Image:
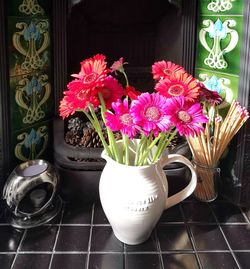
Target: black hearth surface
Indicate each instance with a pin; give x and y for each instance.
(189, 235)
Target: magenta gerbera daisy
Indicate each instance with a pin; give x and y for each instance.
(111, 90)
(186, 116)
(121, 120)
(93, 71)
(163, 69)
(148, 111)
(181, 84)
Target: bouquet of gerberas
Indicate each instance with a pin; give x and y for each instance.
(154, 118)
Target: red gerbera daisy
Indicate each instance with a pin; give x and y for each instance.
(132, 93)
(212, 97)
(93, 71)
(165, 69)
(66, 108)
(111, 91)
(81, 96)
(181, 84)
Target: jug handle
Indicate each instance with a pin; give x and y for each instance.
(188, 190)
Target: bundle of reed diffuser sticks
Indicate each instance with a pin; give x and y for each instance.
(208, 147)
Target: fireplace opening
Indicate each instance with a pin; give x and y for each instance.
(142, 31)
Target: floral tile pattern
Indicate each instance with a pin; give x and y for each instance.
(31, 97)
(219, 38)
(28, 45)
(221, 7)
(225, 84)
(32, 142)
(28, 8)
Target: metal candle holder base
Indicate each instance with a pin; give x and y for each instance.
(31, 194)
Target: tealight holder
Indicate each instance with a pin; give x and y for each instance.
(31, 195)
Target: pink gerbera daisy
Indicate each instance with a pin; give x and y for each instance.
(148, 111)
(165, 69)
(118, 65)
(186, 116)
(111, 91)
(181, 84)
(121, 120)
(93, 71)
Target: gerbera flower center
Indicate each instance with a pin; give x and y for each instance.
(176, 90)
(81, 95)
(106, 93)
(184, 116)
(167, 71)
(152, 113)
(90, 78)
(126, 119)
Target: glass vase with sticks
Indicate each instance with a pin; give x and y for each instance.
(208, 147)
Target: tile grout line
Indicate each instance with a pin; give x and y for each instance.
(124, 262)
(160, 224)
(17, 251)
(90, 236)
(57, 235)
(191, 237)
(228, 245)
(179, 251)
(244, 215)
(216, 72)
(158, 245)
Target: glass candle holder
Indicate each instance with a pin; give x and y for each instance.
(207, 182)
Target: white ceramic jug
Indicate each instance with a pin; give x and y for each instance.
(134, 197)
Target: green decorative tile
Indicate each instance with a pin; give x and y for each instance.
(219, 43)
(34, 142)
(225, 84)
(29, 45)
(31, 100)
(34, 8)
(219, 7)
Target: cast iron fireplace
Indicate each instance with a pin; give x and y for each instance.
(142, 32)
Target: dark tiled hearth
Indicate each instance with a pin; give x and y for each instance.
(191, 235)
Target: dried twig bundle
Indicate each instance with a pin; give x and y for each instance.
(208, 147)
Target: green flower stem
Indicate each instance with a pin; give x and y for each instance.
(143, 147)
(170, 138)
(116, 153)
(139, 149)
(97, 126)
(163, 144)
(126, 146)
(160, 147)
(126, 78)
(149, 148)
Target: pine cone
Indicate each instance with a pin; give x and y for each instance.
(91, 138)
(75, 124)
(118, 136)
(72, 138)
(175, 142)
